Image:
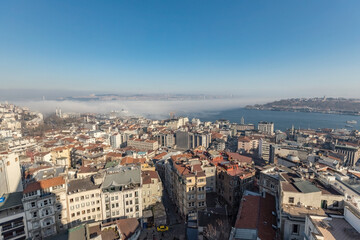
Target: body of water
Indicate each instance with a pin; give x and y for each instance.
(283, 120)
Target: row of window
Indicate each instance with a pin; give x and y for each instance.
(84, 197)
(85, 212)
(192, 204)
(84, 204)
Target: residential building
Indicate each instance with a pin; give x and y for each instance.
(84, 201)
(12, 217)
(266, 127)
(255, 218)
(10, 173)
(143, 144)
(121, 193)
(248, 144)
(351, 152)
(186, 183)
(115, 140)
(45, 207)
(301, 197)
(232, 180)
(264, 149)
(332, 228)
(151, 188)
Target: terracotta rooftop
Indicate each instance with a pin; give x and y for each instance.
(255, 212)
(238, 157)
(148, 175)
(43, 184)
(127, 227)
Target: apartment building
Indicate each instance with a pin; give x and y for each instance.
(186, 183)
(10, 173)
(166, 139)
(44, 206)
(12, 217)
(332, 228)
(300, 197)
(151, 188)
(84, 201)
(266, 127)
(232, 180)
(264, 149)
(352, 153)
(145, 145)
(121, 193)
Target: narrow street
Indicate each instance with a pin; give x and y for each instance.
(175, 223)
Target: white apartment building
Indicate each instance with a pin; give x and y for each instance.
(45, 207)
(143, 144)
(266, 127)
(10, 174)
(121, 194)
(84, 201)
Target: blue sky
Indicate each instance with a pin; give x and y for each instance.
(268, 48)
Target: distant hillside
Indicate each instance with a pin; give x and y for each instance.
(323, 105)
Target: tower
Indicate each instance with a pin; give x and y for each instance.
(242, 121)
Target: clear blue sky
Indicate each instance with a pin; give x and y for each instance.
(275, 48)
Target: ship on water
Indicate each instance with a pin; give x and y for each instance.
(351, 122)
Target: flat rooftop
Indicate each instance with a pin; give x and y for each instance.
(297, 211)
(337, 228)
(11, 200)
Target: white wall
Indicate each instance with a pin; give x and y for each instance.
(352, 219)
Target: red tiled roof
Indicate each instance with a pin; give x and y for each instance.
(248, 213)
(43, 184)
(127, 226)
(238, 157)
(159, 156)
(255, 212)
(148, 175)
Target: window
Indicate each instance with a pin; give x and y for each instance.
(87, 196)
(73, 215)
(295, 229)
(136, 194)
(88, 211)
(291, 200)
(116, 198)
(72, 208)
(33, 204)
(71, 200)
(83, 212)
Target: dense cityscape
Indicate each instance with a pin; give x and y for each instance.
(108, 176)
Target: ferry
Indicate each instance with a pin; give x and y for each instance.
(351, 122)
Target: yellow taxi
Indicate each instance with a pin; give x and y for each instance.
(162, 228)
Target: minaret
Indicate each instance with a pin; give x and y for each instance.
(242, 121)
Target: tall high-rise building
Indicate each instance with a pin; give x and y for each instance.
(266, 127)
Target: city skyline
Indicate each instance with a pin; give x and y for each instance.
(281, 49)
